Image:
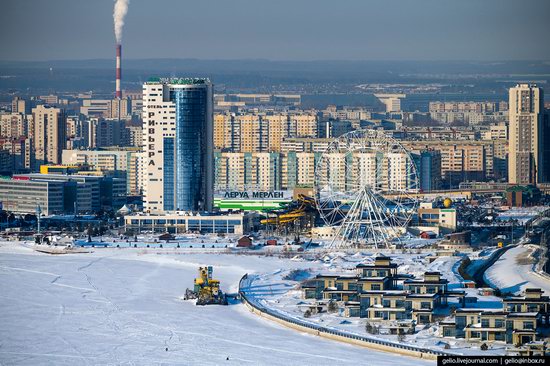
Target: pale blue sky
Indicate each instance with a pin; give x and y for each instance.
(279, 29)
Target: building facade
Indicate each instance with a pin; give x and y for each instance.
(261, 132)
(49, 134)
(178, 171)
(527, 129)
(118, 163)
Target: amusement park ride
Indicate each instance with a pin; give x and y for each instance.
(366, 188)
(355, 178)
(296, 216)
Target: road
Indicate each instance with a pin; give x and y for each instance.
(510, 275)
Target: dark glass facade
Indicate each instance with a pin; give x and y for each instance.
(190, 151)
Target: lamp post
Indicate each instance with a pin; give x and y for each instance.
(38, 214)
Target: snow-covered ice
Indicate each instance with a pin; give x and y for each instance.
(122, 306)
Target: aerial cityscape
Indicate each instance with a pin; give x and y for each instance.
(274, 183)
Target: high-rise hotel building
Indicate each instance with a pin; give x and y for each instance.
(529, 132)
(178, 165)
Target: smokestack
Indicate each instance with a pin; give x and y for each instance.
(118, 93)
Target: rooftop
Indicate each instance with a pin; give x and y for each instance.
(178, 81)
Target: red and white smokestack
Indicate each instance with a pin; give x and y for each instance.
(118, 93)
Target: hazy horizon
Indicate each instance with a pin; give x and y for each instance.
(110, 59)
(286, 30)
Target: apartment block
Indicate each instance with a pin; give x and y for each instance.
(48, 134)
(261, 132)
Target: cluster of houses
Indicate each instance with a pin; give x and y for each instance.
(518, 322)
(377, 292)
(400, 301)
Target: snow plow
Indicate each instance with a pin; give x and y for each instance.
(206, 290)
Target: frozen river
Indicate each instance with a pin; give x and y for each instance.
(123, 307)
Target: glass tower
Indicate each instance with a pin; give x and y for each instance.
(178, 136)
(191, 147)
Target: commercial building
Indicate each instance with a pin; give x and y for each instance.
(251, 200)
(391, 101)
(182, 222)
(118, 162)
(444, 219)
(178, 162)
(118, 108)
(20, 195)
(528, 161)
(91, 193)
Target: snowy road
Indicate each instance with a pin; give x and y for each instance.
(511, 276)
(123, 307)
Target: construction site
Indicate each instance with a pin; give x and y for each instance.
(295, 218)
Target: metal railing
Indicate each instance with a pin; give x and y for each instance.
(331, 331)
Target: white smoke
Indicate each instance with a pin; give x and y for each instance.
(119, 12)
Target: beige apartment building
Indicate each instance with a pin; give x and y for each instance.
(261, 132)
(49, 134)
(13, 125)
(284, 171)
(497, 131)
(298, 169)
(465, 160)
(244, 171)
(527, 163)
(468, 107)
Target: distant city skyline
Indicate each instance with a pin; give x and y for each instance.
(35, 30)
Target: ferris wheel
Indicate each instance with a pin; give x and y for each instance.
(365, 186)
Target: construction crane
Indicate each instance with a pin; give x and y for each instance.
(206, 290)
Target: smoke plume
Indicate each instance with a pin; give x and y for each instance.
(119, 12)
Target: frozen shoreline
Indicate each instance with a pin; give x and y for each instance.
(122, 306)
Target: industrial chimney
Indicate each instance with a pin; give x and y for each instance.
(118, 93)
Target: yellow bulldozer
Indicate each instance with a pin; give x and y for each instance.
(206, 290)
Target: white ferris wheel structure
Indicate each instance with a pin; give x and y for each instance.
(365, 188)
